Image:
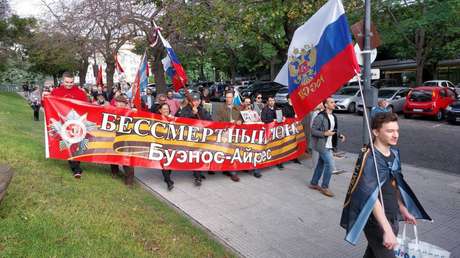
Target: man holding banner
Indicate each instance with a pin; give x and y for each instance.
(71, 91)
(195, 111)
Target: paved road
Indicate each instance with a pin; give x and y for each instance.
(423, 143)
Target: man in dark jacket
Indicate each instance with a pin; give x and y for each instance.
(196, 111)
(288, 112)
(323, 129)
(269, 115)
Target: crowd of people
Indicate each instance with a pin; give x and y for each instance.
(381, 226)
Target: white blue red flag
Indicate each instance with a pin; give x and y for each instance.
(237, 98)
(172, 66)
(321, 58)
(141, 82)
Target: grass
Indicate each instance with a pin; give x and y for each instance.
(47, 213)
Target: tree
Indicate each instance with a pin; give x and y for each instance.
(427, 31)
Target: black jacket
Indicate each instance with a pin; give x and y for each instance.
(187, 112)
(288, 111)
(268, 115)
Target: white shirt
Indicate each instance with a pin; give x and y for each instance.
(329, 138)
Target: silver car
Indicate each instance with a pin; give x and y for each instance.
(281, 96)
(396, 97)
(346, 98)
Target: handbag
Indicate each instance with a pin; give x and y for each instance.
(414, 248)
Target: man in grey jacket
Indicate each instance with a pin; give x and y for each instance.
(323, 129)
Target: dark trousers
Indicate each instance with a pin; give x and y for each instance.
(197, 174)
(374, 235)
(36, 109)
(166, 175)
(129, 173)
(75, 167)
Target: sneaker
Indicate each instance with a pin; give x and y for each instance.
(202, 176)
(235, 178)
(327, 192)
(211, 173)
(314, 187)
(258, 175)
(297, 161)
(170, 185)
(280, 166)
(77, 175)
(197, 181)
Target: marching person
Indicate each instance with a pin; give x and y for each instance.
(268, 115)
(165, 113)
(258, 105)
(247, 106)
(228, 112)
(100, 100)
(289, 112)
(195, 111)
(122, 102)
(324, 127)
(363, 208)
(71, 91)
(174, 104)
(148, 100)
(35, 102)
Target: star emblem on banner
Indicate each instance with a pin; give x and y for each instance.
(72, 131)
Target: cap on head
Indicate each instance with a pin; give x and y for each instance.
(195, 96)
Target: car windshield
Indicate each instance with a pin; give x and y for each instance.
(386, 94)
(347, 91)
(283, 90)
(430, 84)
(421, 95)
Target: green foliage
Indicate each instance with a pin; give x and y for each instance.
(47, 213)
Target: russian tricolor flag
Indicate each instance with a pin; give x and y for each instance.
(141, 81)
(321, 58)
(172, 66)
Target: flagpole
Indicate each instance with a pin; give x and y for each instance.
(366, 121)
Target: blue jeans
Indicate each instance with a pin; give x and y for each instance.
(323, 168)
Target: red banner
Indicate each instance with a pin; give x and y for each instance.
(81, 131)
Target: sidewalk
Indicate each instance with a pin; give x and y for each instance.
(278, 216)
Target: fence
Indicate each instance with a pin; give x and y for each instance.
(10, 88)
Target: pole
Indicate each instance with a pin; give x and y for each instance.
(370, 93)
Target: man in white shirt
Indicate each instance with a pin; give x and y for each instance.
(323, 129)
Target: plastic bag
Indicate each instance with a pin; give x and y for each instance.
(413, 248)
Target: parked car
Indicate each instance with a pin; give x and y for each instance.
(395, 96)
(385, 83)
(346, 98)
(428, 101)
(453, 113)
(439, 83)
(266, 88)
(281, 96)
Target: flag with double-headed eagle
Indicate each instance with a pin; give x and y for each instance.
(320, 59)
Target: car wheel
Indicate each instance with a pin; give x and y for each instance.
(352, 108)
(439, 116)
(407, 116)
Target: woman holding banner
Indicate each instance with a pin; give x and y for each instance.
(165, 113)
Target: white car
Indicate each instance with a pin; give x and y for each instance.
(396, 97)
(346, 99)
(281, 96)
(440, 83)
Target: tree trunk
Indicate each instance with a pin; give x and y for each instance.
(55, 80)
(158, 72)
(272, 68)
(110, 71)
(202, 76)
(82, 71)
(419, 55)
